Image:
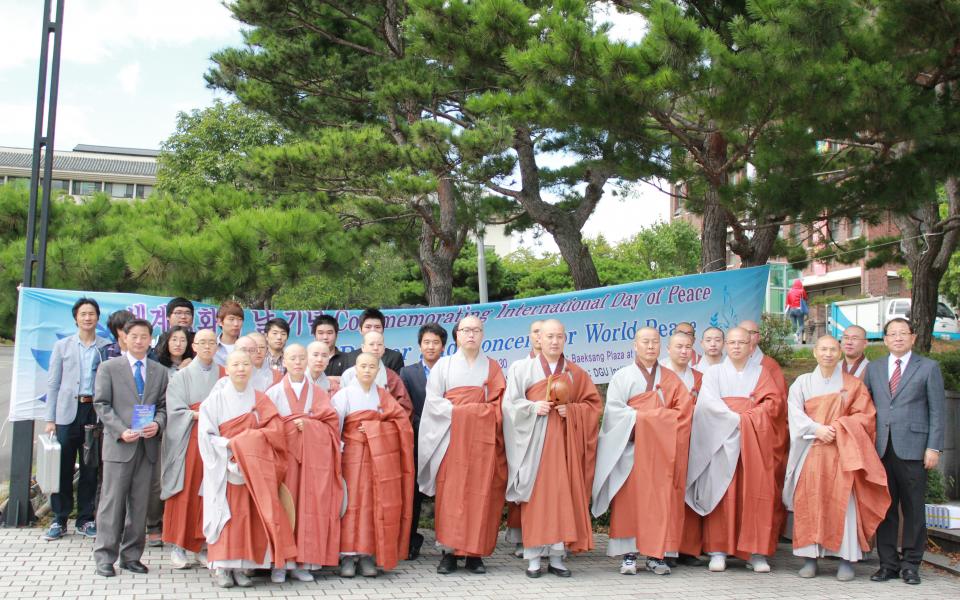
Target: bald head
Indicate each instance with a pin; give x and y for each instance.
(295, 361)
(535, 335)
(205, 345)
(753, 330)
(827, 352)
(318, 357)
(261, 348)
(739, 347)
(469, 335)
(239, 367)
(712, 343)
(373, 344)
(246, 344)
(366, 369)
(646, 345)
(680, 350)
(853, 342)
(553, 337)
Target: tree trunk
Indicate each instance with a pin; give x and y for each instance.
(713, 233)
(441, 240)
(928, 243)
(577, 256)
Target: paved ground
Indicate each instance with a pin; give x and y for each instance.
(32, 568)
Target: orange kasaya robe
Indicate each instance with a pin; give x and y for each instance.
(399, 391)
(831, 472)
(183, 512)
(314, 475)
(559, 505)
(749, 517)
(472, 479)
(378, 469)
(650, 504)
(257, 519)
(691, 538)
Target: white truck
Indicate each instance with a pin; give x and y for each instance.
(873, 313)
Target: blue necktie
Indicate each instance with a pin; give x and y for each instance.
(138, 377)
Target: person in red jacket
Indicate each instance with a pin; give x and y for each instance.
(797, 308)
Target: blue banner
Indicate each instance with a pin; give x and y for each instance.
(600, 323)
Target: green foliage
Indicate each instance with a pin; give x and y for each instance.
(950, 367)
(210, 146)
(215, 244)
(776, 335)
(937, 486)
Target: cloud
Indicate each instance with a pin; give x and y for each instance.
(74, 125)
(95, 30)
(129, 77)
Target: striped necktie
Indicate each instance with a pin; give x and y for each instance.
(895, 378)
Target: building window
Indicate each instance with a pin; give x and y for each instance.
(85, 188)
(856, 227)
(144, 191)
(119, 190)
(835, 228)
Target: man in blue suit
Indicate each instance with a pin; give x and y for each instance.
(70, 384)
(432, 339)
(907, 390)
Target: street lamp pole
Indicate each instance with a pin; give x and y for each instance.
(19, 511)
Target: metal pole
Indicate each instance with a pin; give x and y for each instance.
(19, 511)
(481, 266)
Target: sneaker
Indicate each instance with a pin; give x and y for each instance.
(758, 563)
(718, 563)
(658, 566)
(178, 558)
(368, 567)
(845, 571)
(629, 565)
(201, 557)
(301, 575)
(809, 568)
(89, 529)
(242, 579)
(278, 575)
(154, 540)
(518, 551)
(348, 566)
(224, 578)
(55, 532)
(448, 564)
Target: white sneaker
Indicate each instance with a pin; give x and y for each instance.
(224, 578)
(658, 566)
(758, 563)
(178, 558)
(629, 565)
(718, 563)
(241, 577)
(201, 557)
(301, 575)
(278, 575)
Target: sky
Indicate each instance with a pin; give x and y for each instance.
(128, 67)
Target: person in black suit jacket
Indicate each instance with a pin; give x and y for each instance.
(432, 339)
(372, 320)
(122, 384)
(907, 390)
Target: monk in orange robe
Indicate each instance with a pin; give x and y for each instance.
(313, 477)
(182, 467)
(737, 442)
(378, 470)
(386, 378)
(462, 460)
(836, 484)
(551, 417)
(642, 458)
(243, 448)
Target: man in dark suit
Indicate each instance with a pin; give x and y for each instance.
(432, 339)
(129, 451)
(373, 320)
(907, 390)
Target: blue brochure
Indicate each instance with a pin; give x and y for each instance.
(143, 415)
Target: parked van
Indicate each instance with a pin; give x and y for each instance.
(873, 313)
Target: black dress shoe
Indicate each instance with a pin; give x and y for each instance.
(415, 544)
(689, 560)
(911, 576)
(558, 571)
(885, 574)
(474, 564)
(106, 571)
(134, 566)
(533, 574)
(448, 564)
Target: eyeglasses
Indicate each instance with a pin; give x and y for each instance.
(471, 330)
(181, 313)
(898, 334)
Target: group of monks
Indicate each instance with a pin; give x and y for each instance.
(291, 471)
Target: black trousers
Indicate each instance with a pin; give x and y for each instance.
(416, 539)
(907, 480)
(71, 452)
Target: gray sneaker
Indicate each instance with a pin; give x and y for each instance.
(224, 578)
(658, 566)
